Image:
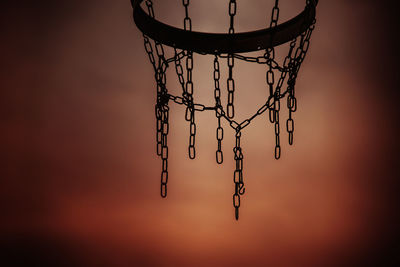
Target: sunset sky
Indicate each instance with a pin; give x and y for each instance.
(80, 183)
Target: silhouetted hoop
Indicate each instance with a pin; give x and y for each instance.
(217, 43)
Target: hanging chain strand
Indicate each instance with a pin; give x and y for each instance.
(294, 67)
(217, 95)
(179, 69)
(274, 112)
(187, 22)
(149, 49)
(290, 101)
(189, 115)
(188, 94)
(231, 62)
(161, 107)
(238, 174)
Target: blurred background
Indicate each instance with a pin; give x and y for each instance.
(80, 176)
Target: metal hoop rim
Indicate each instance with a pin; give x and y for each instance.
(221, 43)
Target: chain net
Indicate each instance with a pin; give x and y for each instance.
(277, 89)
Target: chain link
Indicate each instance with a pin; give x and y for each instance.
(187, 22)
(238, 174)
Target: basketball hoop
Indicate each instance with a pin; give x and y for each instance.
(297, 32)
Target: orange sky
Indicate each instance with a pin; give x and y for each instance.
(81, 177)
